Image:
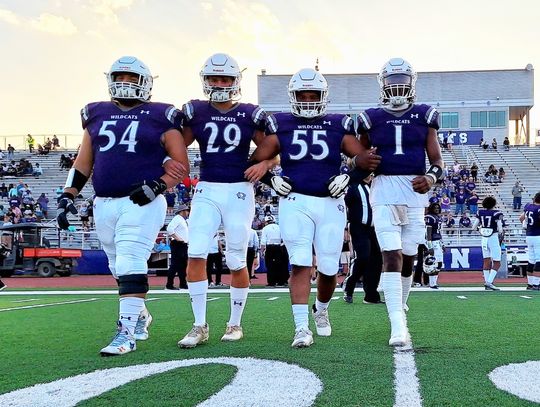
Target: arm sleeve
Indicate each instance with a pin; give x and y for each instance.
(188, 111)
(271, 125)
(432, 118)
(259, 119)
(364, 123)
(175, 117)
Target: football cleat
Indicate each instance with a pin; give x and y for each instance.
(491, 287)
(399, 333)
(197, 336)
(141, 329)
(401, 338)
(348, 299)
(322, 323)
(303, 338)
(122, 343)
(233, 333)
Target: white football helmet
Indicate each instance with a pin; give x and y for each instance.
(128, 90)
(221, 65)
(397, 82)
(308, 80)
(430, 265)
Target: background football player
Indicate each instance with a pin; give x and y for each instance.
(402, 132)
(310, 142)
(531, 217)
(224, 130)
(434, 242)
(124, 144)
(489, 222)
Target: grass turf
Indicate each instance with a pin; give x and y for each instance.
(458, 342)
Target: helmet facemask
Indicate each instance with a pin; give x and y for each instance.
(397, 90)
(130, 90)
(308, 110)
(221, 93)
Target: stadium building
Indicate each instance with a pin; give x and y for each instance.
(473, 104)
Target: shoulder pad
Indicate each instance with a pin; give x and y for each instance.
(174, 115)
(364, 122)
(271, 125)
(189, 110)
(259, 117)
(432, 117)
(348, 124)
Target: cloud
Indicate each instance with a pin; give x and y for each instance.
(52, 24)
(9, 17)
(207, 6)
(108, 8)
(46, 22)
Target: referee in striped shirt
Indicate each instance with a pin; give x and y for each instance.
(368, 258)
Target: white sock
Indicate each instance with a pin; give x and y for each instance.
(530, 280)
(536, 280)
(486, 276)
(238, 302)
(433, 280)
(130, 309)
(198, 291)
(300, 315)
(406, 283)
(393, 298)
(492, 275)
(321, 305)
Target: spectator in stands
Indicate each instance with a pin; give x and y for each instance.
(11, 169)
(84, 215)
(473, 203)
(456, 167)
(494, 144)
(63, 162)
(460, 202)
(48, 145)
(445, 204)
(28, 217)
(55, 142)
(465, 220)
(506, 144)
(484, 144)
(2, 212)
(30, 141)
(12, 191)
(517, 190)
(434, 198)
(450, 141)
(474, 172)
(502, 174)
(450, 223)
(197, 161)
(3, 190)
(470, 186)
(38, 212)
(38, 171)
(11, 152)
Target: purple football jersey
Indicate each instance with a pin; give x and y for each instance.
(489, 217)
(127, 144)
(435, 222)
(532, 216)
(310, 149)
(224, 138)
(400, 137)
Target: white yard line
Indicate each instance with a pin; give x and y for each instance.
(526, 297)
(213, 299)
(405, 379)
(272, 298)
(461, 297)
(29, 300)
(47, 305)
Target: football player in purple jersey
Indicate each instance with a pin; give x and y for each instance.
(531, 219)
(124, 144)
(224, 130)
(489, 222)
(434, 242)
(403, 133)
(312, 208)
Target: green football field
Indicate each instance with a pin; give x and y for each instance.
(458, 338)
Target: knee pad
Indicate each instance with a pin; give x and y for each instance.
(327, 265)
(133, 284)
(234, 260)
(409, 248)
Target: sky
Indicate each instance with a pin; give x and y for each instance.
(54, 52)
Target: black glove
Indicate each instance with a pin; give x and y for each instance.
(337, 185)
(65, 205)
(147, 191)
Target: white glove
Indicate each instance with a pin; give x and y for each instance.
(338, 185)
(282, 185)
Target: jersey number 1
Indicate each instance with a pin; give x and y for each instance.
(399, 148)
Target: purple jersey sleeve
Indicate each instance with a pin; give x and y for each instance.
(532, 217)
(127, 146)
(310, 149)
(224, 138)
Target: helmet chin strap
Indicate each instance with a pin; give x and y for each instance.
(398, 108)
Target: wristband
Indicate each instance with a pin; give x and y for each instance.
(75, 179)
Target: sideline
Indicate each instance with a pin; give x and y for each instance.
(47, 305)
